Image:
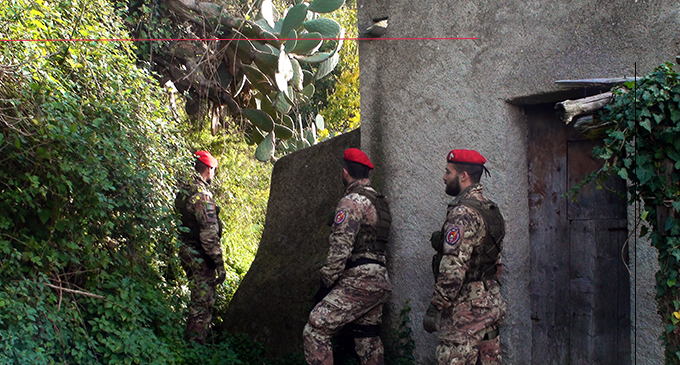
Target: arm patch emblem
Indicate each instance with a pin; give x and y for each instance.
(453, 236)
(340, 217)
(210, 212)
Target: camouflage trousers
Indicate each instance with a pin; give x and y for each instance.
(202, 285)
(355, 301)
(468, 327)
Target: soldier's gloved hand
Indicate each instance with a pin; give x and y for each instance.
(322, 292)
(431, 319)
(221, 274)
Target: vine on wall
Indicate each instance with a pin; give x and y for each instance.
(643, 146)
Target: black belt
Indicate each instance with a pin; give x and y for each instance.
(362, 261)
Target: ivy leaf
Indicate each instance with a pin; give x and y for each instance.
(644, 174)
(623, 173)
(618, 135)
(676, 254)
(675, 155)
(44, 215)
(676, 206)
(670, 224)
(644, 215)
(675, 115)
(646, 124)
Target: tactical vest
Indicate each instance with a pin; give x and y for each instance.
(364, 241)
(189, 220)
(488, 253)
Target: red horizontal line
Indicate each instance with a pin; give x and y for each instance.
(226, 39)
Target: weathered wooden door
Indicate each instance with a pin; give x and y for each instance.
(579, 284)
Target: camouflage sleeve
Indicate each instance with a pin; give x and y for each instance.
(345, 227)
(206, 216)
(462, 230)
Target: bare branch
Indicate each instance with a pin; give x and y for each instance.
(79, 292)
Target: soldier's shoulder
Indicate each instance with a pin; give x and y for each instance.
(463, 212)
(352, 201)
(357, 198)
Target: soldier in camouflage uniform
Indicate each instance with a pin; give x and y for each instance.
(200, 253)
(467, 307)
(355, 282)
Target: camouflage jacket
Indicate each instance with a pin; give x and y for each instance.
(352, 211)
(463, 230)
(200, 214)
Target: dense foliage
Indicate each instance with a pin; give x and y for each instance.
(90, 149)
(643, 146)
(89, 157)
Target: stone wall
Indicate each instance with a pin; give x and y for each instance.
(273, 302)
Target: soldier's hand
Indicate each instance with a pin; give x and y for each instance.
(431, 319)
(221, 275)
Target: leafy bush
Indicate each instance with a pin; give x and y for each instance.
(643, 146)
(87, 228)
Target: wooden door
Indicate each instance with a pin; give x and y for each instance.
(579, 283)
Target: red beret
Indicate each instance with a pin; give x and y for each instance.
(357, 155)
(206, 158)
(465, 157)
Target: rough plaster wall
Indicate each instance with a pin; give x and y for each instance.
(419, 99)
(646, 326)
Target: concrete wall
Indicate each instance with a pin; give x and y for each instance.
(420, 99)
(273, 301)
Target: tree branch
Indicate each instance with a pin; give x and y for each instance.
(80, 292)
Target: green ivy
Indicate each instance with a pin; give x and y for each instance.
(643, 146)
(400, 345)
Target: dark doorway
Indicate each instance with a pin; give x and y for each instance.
(580, 288)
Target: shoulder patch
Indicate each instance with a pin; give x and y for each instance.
(340, 217)
(453, 235)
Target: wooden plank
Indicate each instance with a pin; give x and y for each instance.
(593, 203)
(600, 305)
(599, 283)
(582, 289)
(548, 236)
(596, 83)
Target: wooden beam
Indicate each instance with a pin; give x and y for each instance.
(569, 109)
(596, 83)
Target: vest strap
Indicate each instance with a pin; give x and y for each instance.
(362, 261)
